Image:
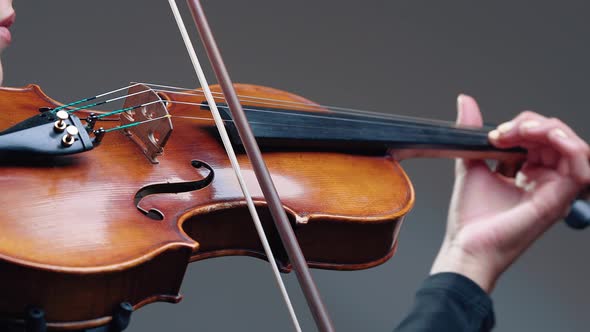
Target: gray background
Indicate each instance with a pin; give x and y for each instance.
(408, 57)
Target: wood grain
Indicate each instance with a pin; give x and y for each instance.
(73, 242)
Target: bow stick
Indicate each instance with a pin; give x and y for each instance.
(269, 191)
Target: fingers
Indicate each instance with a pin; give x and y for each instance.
(468, 114)
(550, 142)
(549, 204)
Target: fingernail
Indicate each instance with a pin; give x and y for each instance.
(494, 135)
(505, 127)
(558, 133)
(530, 124)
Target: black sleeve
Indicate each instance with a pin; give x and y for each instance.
(449, 302)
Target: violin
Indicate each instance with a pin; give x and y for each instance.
(114, 198)
(98, 225)
(157, 196)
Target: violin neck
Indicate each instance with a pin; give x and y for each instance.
(408, 138)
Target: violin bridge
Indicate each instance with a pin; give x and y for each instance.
(155, 129)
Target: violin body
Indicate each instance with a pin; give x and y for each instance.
(74, 242)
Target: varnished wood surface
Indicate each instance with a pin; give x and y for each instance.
(74, 217)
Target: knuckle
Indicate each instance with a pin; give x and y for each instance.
(580, 148)
(528, 114)
(555, 123)
(573, 151)
(525, 115)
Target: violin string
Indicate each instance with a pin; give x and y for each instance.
(259, 100)
(414, 135)
(92, 98)
(271, 102)
(313, 116)
(234, 162)
(121, 110)
(102, 119)
(408, 121)
(188, 118)
(106, 101)
(310, 115)
(86, 107)
(133, 124)
(316, 116)
(279, 102)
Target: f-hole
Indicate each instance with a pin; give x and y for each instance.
(172, 188)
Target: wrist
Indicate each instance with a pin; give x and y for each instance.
(455, 259)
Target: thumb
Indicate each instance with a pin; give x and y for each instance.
(468, 114)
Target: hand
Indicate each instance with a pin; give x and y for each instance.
(7, 16)
(493, 219)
